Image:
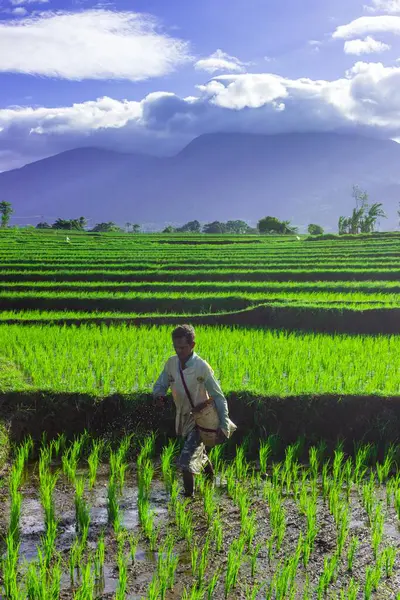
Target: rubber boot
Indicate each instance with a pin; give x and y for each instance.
(209, 472)
(188, 484)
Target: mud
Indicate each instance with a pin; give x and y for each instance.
(141, 572)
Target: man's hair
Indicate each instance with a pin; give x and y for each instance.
(186, 331)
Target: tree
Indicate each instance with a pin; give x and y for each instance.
(169, 229)
(269, 225)
(6, 211)
(315, 229)
(274, 225)
(106, 227)
(128, 226)
(70, 224)
(43, 225)
(214, 227)
(364, 216)
(237, 227)
(190, 227)
(135, 228)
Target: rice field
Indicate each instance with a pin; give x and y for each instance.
(303, 337)
(84, 520)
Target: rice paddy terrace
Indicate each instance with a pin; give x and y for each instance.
(304, 338)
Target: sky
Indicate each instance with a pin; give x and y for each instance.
(150, 76)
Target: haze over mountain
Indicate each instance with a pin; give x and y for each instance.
(304, 177)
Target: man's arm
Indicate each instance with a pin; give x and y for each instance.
(214, 390)
(161, 386)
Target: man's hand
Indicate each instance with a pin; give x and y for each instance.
(161, 401)
(221, 437)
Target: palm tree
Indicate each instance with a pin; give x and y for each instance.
(375, 212)
(128, 226)
(6, 211)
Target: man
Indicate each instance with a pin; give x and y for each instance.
(201, 383)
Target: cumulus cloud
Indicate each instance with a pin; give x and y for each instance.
(220, 61)
(94, 44)
(20, 11)
(368, 25)
(369, 45)
(366, 100)
(387, 6)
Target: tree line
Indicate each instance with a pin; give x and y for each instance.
(363, 219)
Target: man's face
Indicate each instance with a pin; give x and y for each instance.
(183, 348)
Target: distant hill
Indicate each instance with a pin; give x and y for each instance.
(304, 177)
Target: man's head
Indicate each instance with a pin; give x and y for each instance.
(183, 338)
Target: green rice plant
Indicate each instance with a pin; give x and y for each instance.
(133, 546)
(276, 475)
(82, 511)
(43, 583)
(15, 514)
(307, 593)
(389, 558)
(328, 575)
(145, 477)
(194, 557)
(215, 456)
(311, 533)
(167, 456)
(212, 584)
(337, 468)
(249, 528)
(368, 496)
(48, 542)
(10, 568)
(351, 592)
(210, 503)
(254, 557)
(57, 445)
(342, 529)
(174, 495)
(240, 465)
(234, 562)
(146, 450)
(217, 532)
(202, 564)
(326, 482)
(94, 461)
(253, 591)
(48, 481)
(383, 470)
(112, 501)
(99, 556)
(122, 577)
(277, 517)
(354, 543)
(146, 518)
(361, 459)
(397, 502)
(264, 454)
(184, 522)
(378, 520)
(86, 588)
(314, 462)
(153, 593)
(194, 594)
(373, 576)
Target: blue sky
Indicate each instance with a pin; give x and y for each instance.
(152, 75)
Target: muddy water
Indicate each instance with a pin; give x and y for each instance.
(141, 572)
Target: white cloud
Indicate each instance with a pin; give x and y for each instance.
(220, 61)
(19, 2)
(366, 100)
(20, 11)
(369, 45)
(94, 44)
(387, 6)
(368, 25)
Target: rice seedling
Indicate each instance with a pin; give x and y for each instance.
(253, 591)
(327, 576)
(215, 456)
(82, 512)
(202, 564)
(377, 529)
(212, 584)
(362, 455)
(122, 577)
(351, 592)
(389, 558)
(94, 461)
(133, 546)
(146, 450)
(153, 593)
(372, 579)
(264, 454)
(99, 556)
(112, 501)
(184, 522)
(48, 542)
(87, 586)
(10, 568)
(354, 543)
(194, 594)
(234, 562)
(167, 456)
(240, 465)
(210, 503)
(254, 557)
(217, 533)
(194, 557)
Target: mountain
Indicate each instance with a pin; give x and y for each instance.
(304, 177)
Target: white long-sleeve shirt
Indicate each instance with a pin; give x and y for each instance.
(202, 385)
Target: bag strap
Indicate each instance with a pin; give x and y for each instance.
(185, 386)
